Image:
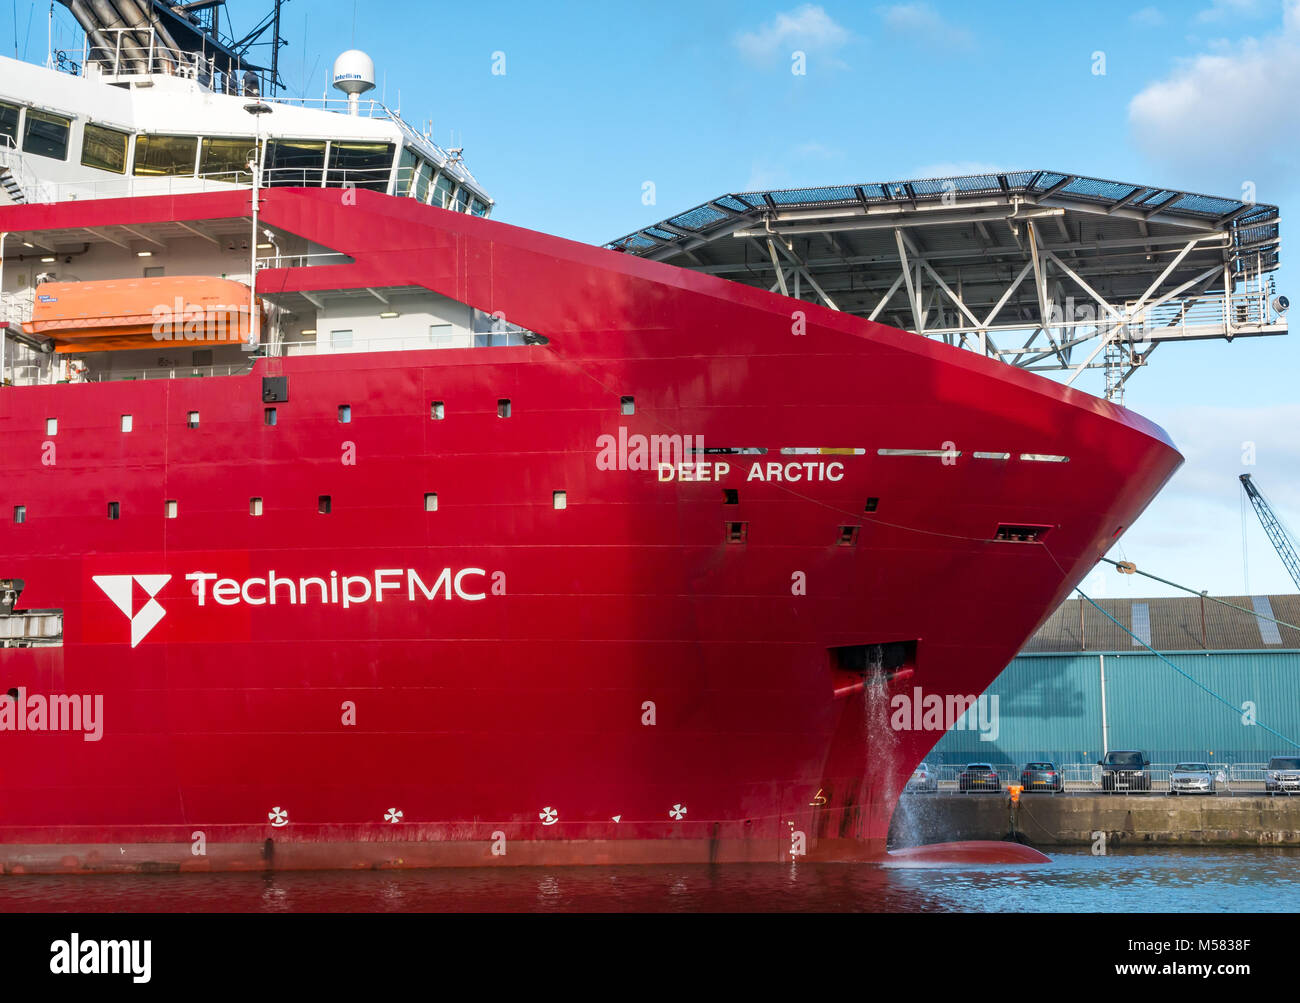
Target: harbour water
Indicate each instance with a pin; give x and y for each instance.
(1156, 880)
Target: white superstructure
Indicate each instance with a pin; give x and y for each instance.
(113, 126)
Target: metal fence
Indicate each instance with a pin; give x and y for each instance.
(1085, 778)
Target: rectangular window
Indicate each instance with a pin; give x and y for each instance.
(171, 508)
(201, 357)
(365, 165)
(127, 422)
(255, 506)
(227, 158)
(559, 499)
(730, 496)
(627, 405)
(154, 272)
(737, 532)
(51, 426)
(114, 510)
(442, 190)
(503, 407)
(20, 513)
(478, 207)
(165, 156)
(340, 339)
(192, 420)
(431, 501)
(437, 411)
(269, 416)
(872, 504)
(298, 163)
(323, 505)
(423, 178)
(848, 536)
(104, 148)
(407, 164)
(9, 121)
(439, 333)
(345, 413)
(46, 135)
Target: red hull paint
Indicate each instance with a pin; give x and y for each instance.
(474, 716)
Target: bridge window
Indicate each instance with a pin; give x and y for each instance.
(442, 189)
(227, 157)
(9, 120)
(365, 165)
(165, 156)
(423, 178)
(296, 162)
(406, 168)
(46, 135)
(104, 148)
(478, 207)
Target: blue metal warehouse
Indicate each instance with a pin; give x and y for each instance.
(1082, 685)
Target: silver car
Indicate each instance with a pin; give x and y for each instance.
(1192, 778)
(1283, 775)
(923, 779)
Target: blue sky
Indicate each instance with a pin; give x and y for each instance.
(598, 98)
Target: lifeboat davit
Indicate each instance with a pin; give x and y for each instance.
(120, 314)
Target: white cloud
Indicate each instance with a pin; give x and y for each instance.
(1237, 94)
(1191, 534)
(1223, 10)
(921, 20)
(808, 28)
(1147, 17)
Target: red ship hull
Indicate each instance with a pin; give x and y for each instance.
(633, 685)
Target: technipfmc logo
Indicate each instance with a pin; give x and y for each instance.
(122, 590)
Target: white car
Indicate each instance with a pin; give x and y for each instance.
(1192, 778)
(1283, 775)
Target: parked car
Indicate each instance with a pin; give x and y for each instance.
(923, 780)
(1282, 775)
(1041, 777)
(979, 777)
(1192, 778)
(1125, 771)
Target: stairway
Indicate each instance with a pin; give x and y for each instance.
(9, 185)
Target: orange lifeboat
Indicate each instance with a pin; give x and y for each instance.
(119, 314)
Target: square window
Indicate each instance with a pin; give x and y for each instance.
(192, 419)
(560, 499)
(848, 536)
(872, 503)
(730, 496)
(340, 339)
(431, 501)
(127, 423)
(737, 532)
(255, 506)
(627, 405)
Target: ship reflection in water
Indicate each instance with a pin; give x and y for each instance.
(1219, 880)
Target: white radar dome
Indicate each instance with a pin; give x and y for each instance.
(354, 72)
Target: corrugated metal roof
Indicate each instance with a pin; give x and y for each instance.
(1172, 624)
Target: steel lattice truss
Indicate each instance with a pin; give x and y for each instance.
(1041, 269)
